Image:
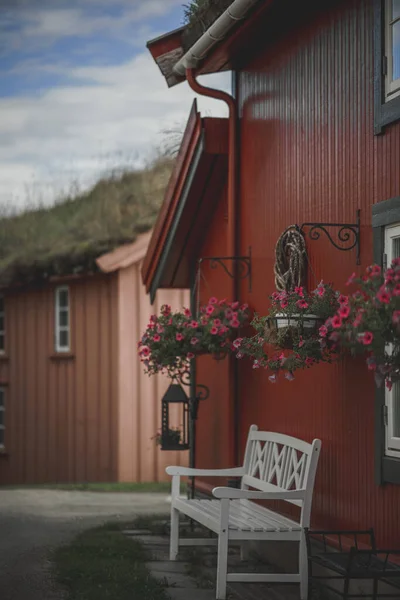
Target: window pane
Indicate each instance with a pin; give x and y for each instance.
(64, 338)
(1, 322)
(396, 50)
(396, 409)
(2, 347)
(1, 417)
(395, 247)
(1, 397)
(1, 437)
(63, 298)
(63, 318)
(395, 9)
(1, 303)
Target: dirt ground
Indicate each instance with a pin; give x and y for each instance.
(33, 522)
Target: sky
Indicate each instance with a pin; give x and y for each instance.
(81, 95)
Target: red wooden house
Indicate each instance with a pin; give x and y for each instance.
(313, 136)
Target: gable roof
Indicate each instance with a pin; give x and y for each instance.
(199, 173)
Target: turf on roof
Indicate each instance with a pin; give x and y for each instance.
(199, 16)
(68, 237)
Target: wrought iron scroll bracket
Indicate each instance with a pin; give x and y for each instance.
(241, 265)
(347, 234)
(202, 393)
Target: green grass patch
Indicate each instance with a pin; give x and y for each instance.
(148, 487)
(102, 564)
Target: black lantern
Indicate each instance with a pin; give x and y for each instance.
(175, 438)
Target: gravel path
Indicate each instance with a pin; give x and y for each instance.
(33, 522)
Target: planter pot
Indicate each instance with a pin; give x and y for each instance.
(282, 330)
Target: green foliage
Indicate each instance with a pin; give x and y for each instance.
(68, 237)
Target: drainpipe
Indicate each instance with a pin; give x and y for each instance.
(232, 237)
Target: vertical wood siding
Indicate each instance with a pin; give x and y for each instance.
(90, 416)
(308, 153)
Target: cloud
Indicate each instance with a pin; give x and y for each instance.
(75, 131)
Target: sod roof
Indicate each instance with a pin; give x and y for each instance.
(199, 16)
(68, 237)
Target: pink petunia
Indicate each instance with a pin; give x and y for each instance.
(189, 355)
(321, 290)
(367, 338)
(344, 311)
(239, 355)
(194, 324)
(156, 338)
(244, 307)
(375, 270)
(301, 342)
(166, 310)
(228, 313)
(217, 322)
(234, 323)
(275, 296)
(323, 331)
(383, 297)
(235, 305)
(145, 351)
(179, 337)
(337, 321)
(309, 361)
(302, 303)
(187, 312)
(194, 341)
(210, 309)
(284, 303)
(351, 279)
(396, 317)
(343, 299)
(299, 291)
(237, 343)
(204, 320)
(213, 300)
(214, 330)
(396, 290)
(222, 302)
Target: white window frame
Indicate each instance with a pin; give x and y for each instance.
(392, 444)
(58, 327)
(392, 87)
(3, 331)
(3, 410)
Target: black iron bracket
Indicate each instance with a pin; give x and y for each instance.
(202, 393)
(348, 234)
(231, 265)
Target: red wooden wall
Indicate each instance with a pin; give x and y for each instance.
(308, 153)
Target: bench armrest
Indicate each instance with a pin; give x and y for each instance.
(235, 472)
(234, 494)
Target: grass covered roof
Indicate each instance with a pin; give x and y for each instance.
(199, 16)
(68, 237)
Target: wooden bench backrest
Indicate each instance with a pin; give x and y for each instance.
(277, 462)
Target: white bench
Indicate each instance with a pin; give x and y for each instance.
(276, 467)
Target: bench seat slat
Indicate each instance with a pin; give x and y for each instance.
(243, 516)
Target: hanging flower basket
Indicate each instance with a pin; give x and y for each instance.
(294, 323)
(172, 340)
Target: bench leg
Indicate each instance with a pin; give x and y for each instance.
(223, 539)
(174, 537)
(303, 568)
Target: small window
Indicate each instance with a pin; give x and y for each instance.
(392, 48)
(62, 325)
(392, 398)
(2, 416)
(2, 326)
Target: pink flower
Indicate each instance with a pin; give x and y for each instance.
(145, 351)
(343, 299)
(344, 311)
(375, 270)
(204, 320)
(299, 291)
(396, 317)
(334, 337)
(235, 305)
(351, 279)
(166, 310)
(239, 355)
(272, 378)
(389, 384)
(301, 342)
(323, 331)
(234, 323)
(302, 304)
(170, 321)
(309, 361)
(217, 322)
(284, 303)
(189, 355)
(214, 330)
(275, 296)
(210, 309)
(383, 297)
(153, 319)
(289, 376)
(194, 341)
(213, 300)
(160, 329)
(256, 364)
(228, 313)
(222, 302)
(179, 337)
(367, 338)
(337, 321)
(187, 312)
(156, 338)
(321, 290)
(194, 324)
(245, 306)
(396, 290)
(237, 343)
